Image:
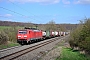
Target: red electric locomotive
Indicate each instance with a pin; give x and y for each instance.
(28, 35)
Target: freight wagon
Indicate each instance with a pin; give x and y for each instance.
(44, 34)
(52, 34)
(56, 33)
(48, 34)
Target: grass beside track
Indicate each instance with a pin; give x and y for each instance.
(8, 27)
(69, 54)
(8, 45)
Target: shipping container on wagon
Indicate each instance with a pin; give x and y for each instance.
(64, 33)
(44, 34)
(47, 34)
(56, 33)
(61, 33)
(52, 33)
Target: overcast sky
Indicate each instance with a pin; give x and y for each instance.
(43, 11)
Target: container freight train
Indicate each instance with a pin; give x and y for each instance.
(27, 35)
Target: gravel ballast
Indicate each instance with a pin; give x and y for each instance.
(39, 53)
(46, 52)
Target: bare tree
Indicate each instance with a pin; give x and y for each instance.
(51, 25)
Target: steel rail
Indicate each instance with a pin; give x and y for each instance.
(27, 50)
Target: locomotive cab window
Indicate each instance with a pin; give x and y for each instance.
(22, 32)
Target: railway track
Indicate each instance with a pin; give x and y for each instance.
(25, 51)
(3, 50)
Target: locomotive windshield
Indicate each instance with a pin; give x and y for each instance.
(22, 32)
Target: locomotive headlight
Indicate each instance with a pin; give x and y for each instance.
(25, 36)
(19, 36)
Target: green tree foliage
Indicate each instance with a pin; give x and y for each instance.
(75, 34)
(3, 38)
(81, 36)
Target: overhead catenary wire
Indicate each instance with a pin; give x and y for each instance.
(7, 17)
(23, 9)
(19, 7)
(14, 12)
(21, 13)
